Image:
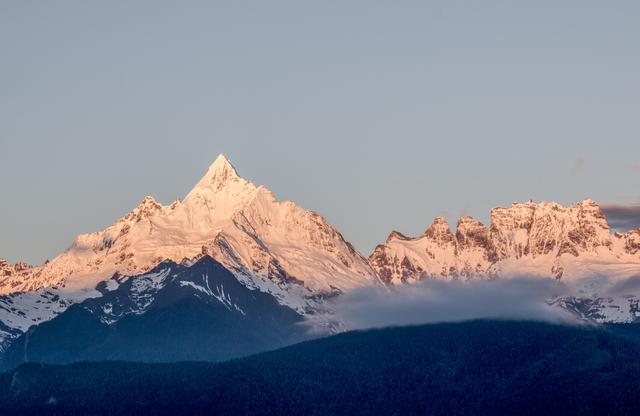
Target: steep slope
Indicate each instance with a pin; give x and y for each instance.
(20, 311)
(276, 240)
(171, 313)
(483, 367)
(276, 247)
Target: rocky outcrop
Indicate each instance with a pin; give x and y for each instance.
(439, 232)
(10, 271)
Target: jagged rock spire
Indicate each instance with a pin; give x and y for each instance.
(440, 231)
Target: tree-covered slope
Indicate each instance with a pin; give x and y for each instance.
(482, 367)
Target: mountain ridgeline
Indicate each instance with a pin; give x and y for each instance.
(478, 367)
(544, 239)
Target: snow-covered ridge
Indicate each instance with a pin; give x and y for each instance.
(20, 311)
(238, 223)
(545, 239)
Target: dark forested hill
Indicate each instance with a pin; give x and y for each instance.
(481, 367)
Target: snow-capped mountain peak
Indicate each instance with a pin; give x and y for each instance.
(221, 192)
(272, 246)
(219, 175)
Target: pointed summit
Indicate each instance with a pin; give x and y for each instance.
(220, 174)
(221, 162)
(221, 190)
(221, 171)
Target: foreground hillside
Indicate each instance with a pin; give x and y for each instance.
(481, 367)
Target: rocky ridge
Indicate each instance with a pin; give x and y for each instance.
(545, 239)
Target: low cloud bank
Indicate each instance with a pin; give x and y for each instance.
(622, 217)
(623, 287)
(431, 301)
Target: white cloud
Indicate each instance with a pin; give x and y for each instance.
(431, 301)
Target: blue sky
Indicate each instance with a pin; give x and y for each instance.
(378, 115)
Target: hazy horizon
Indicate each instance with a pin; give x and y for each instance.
(379, 117)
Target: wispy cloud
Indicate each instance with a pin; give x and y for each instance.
(635, 168)
(622, 217)
(431, 301)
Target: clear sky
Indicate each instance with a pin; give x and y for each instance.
(378, 115)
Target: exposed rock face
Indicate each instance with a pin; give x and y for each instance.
(437, 253)
(20, 269)
(543, 239)
(440, 232)
(631, 241)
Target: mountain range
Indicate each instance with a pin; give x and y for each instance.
(544, 239)
(229, 248)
